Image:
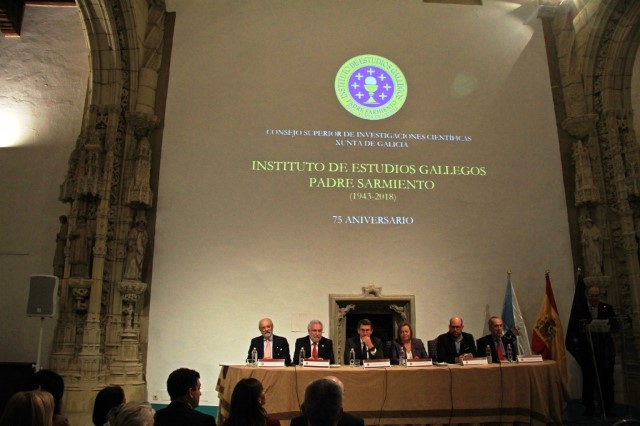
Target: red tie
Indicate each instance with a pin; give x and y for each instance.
(499, 349)
(314, 351)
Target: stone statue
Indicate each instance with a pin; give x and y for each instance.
(128, 315)
(136, 247)
(80, 249)
(61, 242)
(591, 241)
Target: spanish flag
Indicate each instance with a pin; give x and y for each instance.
(548, 339)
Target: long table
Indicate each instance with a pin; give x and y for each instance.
(531, 393)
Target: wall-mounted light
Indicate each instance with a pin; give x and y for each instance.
(12, 128)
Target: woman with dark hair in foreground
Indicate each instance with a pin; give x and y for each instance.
(108, 398)
(247, 402)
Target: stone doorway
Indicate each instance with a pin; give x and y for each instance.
(385, 312)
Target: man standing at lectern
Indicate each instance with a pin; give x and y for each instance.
(269, 345)
(604, 353)
(364, 344)
(315, 345)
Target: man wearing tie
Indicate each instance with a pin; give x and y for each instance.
(268, 345)
(364, 344)
(315, 345)
(497, 341)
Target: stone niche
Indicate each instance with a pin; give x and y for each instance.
(385, 312)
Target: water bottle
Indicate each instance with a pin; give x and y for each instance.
(254, 356)
(488, 352)
(403, 357)
(509, 353)
(352, 357)
(301, 356)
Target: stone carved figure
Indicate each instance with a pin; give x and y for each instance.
(136, 246)
(80, 249)
(591, 241)
(128, 310)
(61, 242)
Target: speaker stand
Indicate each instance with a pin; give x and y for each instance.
(40, 344)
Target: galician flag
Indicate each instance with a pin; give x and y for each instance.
(548, 339)
(512, 319)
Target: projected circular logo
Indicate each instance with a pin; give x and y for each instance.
(371, 87)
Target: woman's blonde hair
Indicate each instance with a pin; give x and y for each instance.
(132, 414)
(30, 408)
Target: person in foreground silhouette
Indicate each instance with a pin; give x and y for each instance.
(345, 419)
(247, 401)
(183, 386)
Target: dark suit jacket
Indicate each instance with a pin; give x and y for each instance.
(279, 348)
(507, 339)
(325, 349)
(603, 346)
(181, 414)
(346, 420)
(417, 350)
(447, 347)
(354, 342)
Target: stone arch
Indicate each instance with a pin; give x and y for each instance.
(597, 43)
(98, 336)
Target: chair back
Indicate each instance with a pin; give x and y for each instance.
(432, 348)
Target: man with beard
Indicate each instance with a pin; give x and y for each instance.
(315, 345)
(268, 345)
(455, 345)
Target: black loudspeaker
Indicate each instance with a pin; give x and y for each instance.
(43, 295)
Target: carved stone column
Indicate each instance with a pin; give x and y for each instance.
(127, 368)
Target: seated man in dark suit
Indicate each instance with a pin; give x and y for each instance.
(315, 402)
(269, 345)
(364, 344)
(315, 345)
(455, 346)
(183, 386)
(497, 341)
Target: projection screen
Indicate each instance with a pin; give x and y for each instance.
(315, 147)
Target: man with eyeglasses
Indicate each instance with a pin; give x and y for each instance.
(455, 346)
(315, 345)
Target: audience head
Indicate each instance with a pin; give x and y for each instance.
(183, 384)
(323, 402)
(495, 327)
(29, 408)
(265, 325)
(247, 400)
(132, 414)
(405, 332)
(337, 381)
(108, 398)
(455, 326)
(365, 328)
(315, 330)
(51, 382)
